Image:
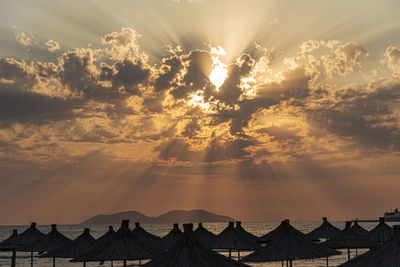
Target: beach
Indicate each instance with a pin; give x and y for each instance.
(257, 228)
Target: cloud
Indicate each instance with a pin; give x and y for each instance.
(392, 57)
(344, 59)
(33, 108)
(23, 39)
(259, 114)
(52, 46)
(123, 44)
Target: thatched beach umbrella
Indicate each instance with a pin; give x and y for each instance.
(381, 232)
(172, 237)
(202, 234)
(8, 245)
(358, 230)
(325, 230)
(50, 241)
(387, 255)
(289, 246)
(154, 240)
(106, 236)
(189, 252)
(79, 246)
(239, 228)
(123, 246)
(26, 237)
(230, 239)
(348, 239)
(277, 232)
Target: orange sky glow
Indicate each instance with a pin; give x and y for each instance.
(259, 110)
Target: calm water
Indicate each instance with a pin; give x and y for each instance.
(73, 231)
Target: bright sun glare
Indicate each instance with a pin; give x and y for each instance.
(219, 72)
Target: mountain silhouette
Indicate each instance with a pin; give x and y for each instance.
(174, 216)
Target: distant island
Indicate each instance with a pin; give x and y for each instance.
(174, 216)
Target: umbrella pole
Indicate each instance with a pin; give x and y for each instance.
(356, 251)
(230, 255)
(124, 263)
(238, 255)
(84, 264)
(31, 258)
(291, 263)
(283, 263)
(140, 262)
(54, 262)
(348, 254)
(327, 262)
(13, 257)
(287, 263)
(112, 263)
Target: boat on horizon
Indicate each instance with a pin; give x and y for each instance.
(392, 216)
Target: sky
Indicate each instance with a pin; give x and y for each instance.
(261, 110)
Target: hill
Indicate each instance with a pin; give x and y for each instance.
(174, 216)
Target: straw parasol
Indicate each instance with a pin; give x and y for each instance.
(230, 239)
(239, 228)
(387, 255)
(358, 230)
(325, 230)
(26, 237)
(348, 239)
(172, 237)
(188, 252)
(202, 234)
(7, 245)
(381, 232)
(154, 240)
(107, 235)
(50, 241)
(123, 245)
(289, 246)
(270, 236)
(79, 246)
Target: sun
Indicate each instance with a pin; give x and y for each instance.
(218, 76)
(219, 72)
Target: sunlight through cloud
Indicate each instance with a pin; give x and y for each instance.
(219, 72)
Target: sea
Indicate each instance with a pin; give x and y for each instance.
(257, 228)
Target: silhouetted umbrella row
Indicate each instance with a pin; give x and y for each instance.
(81, 245)
(284, 243)
(49, 242)
(188, 252)
(123, 245)
(19, 242)
(386, 255)
(288, 246)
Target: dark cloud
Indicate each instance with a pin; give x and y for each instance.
(364, 117)
(129, 75)
(14, 75)
(169, 69)
(34, 108)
